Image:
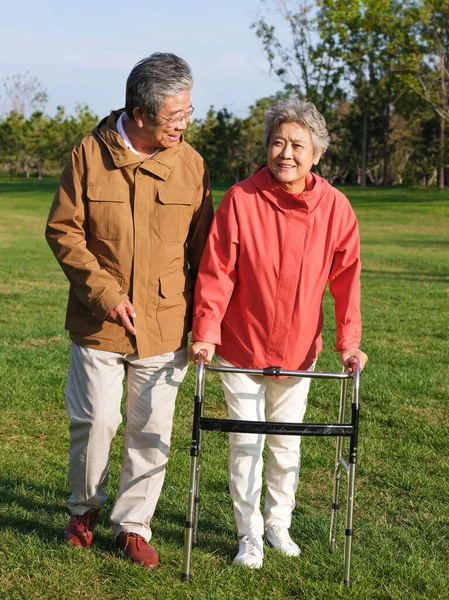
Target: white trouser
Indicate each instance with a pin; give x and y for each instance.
(257, 398)
(93, 396)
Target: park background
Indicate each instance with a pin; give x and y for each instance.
(378, 71)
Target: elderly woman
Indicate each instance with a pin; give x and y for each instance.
(278, 238)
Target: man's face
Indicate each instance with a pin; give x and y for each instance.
(171, 120)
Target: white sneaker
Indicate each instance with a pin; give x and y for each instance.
(279, 538)
(250, 552)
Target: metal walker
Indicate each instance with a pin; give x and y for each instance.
(340, 430)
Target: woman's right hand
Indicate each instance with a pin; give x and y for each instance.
(207, 349)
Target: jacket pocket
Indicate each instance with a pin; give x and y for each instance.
(175, 305)
(108, 207)
(174, 211)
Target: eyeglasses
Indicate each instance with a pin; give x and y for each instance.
(174, 121)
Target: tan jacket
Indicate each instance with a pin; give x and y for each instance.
(119, 228)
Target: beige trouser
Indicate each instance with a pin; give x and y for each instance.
(93, 396)
(257, 398)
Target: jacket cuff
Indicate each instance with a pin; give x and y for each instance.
(204, 330)
(109, 300)
(348, 336)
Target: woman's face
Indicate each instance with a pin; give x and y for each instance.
(291, 156)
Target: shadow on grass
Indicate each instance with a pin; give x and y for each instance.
(212, 534)
(393, 195)
(17, 186)
(27, 508)
(408, 276)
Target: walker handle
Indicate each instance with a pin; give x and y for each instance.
(202, 354)
(200, 374)
(354, 365)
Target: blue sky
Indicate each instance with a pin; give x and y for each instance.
(83, 51)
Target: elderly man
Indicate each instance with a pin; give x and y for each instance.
(128, 225)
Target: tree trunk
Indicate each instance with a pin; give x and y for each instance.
(441, 155)
(364, 146)
(432, 179)
(442, 56)
(386, 149)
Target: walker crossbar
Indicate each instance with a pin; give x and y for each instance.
(302, 429)
(339, 430)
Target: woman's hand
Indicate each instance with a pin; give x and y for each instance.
(207, 349)
(346, 356)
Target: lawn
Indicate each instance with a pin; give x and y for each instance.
(401, 519)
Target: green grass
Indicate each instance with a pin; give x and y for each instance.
(401, 519)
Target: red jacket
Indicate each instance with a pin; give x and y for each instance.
(267, 261)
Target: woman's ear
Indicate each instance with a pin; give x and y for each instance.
(316, 160)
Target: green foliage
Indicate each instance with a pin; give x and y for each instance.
(377, 70)
(41, 144)
(232, 147)
(358, 61)
(427, 68)
(401, 514)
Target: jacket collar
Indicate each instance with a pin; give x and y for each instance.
(277, 195)
(160, 165)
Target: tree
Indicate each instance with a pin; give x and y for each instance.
(232, 146)
(305, 64)
(344, 56)
(427, 69)
(12, 142)
(24, 94)
(219, 139)
(41, 143)
(368, 36)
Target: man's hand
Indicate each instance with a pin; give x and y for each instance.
(346, 355)
(122, 314)
(196, 347)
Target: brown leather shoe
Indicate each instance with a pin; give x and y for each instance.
(138, 549)
(80, 529)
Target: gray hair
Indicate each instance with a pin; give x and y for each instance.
(155, 78)
(294, 110)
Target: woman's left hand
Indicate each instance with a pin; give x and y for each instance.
(207, 349)
(346, 356)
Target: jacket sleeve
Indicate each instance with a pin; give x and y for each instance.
(66, 233)
(200, 225)
(217, 274)
(344, 282)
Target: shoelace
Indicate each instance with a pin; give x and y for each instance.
(250, 546)
(281, 534)
(132, 536)
(87, 520)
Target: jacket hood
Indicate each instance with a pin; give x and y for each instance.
(161, 164)
(265, 183)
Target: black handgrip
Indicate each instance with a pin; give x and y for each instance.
(272, 371)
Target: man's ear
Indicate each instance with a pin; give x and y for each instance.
(138, 114)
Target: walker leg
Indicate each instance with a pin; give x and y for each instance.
(192, 512)
(351, 475)
(349, 530)
(196, 501)
(337, 472)
(188, 528)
